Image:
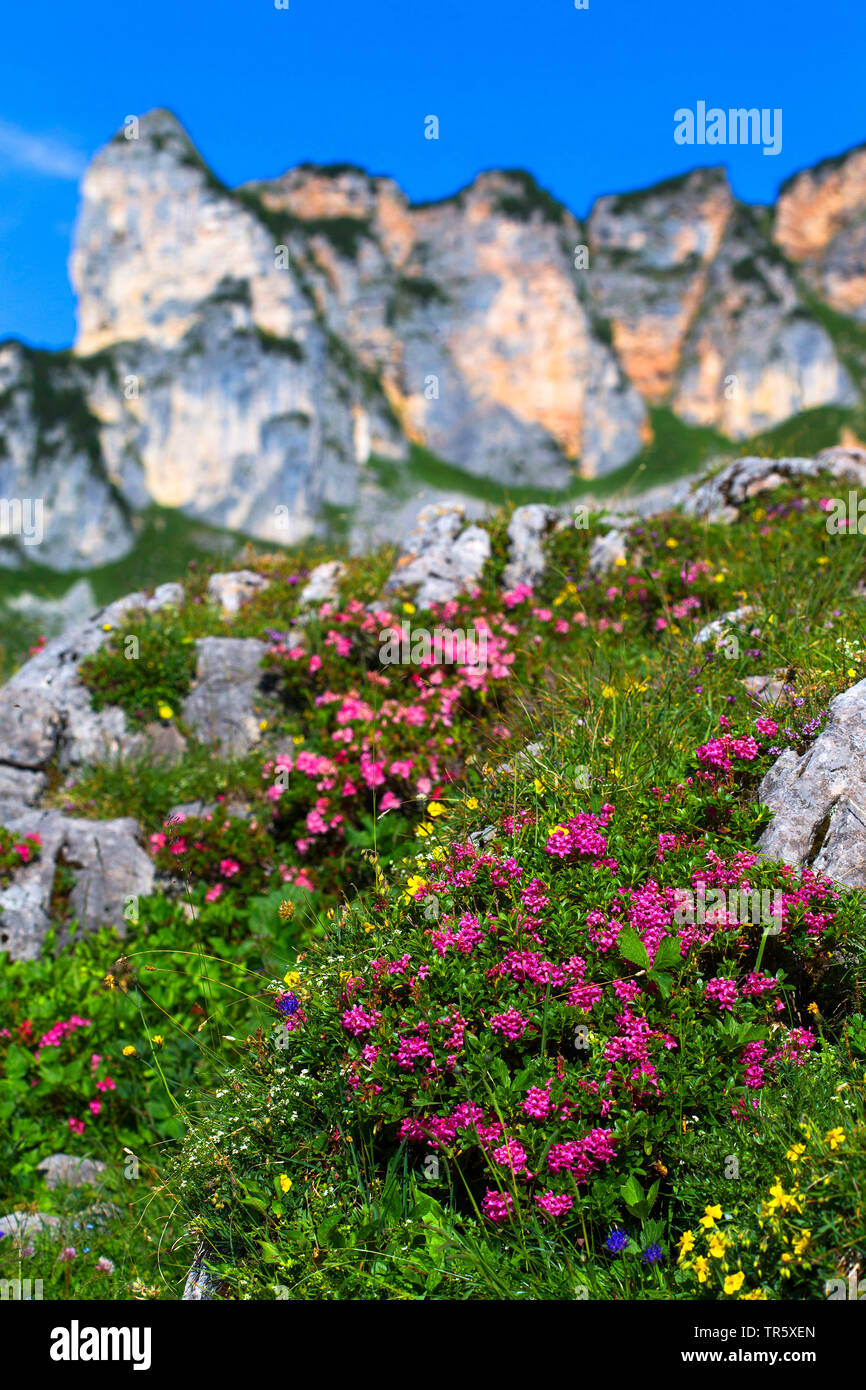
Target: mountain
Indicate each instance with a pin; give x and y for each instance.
(268, 357)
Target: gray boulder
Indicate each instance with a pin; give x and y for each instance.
(527, 531)
(65, 1170)
(819, 799)
(221, 708)
(445, 560)
(231, 591)
(107, 863)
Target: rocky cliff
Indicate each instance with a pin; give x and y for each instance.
(252, 355)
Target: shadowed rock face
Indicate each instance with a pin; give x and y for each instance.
(251, 355)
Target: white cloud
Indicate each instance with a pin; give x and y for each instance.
(41, 154)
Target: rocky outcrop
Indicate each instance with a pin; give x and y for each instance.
(721, 496)
(819, 799)
(252, 356)
(445, 557)
(46, 713)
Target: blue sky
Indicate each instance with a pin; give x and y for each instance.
(583, 98)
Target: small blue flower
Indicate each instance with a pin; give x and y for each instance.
(287, 1005)
(653, 1254)
(616, 1241)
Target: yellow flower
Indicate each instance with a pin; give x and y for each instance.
(753, 1296)
(850, 671)
(823, 560)
(408, 608)
(701, 1269)
(671, 543)
(291, 978)
(834, 1138)
(812, 1008)
(686, 1243)
(164, 711)
(263, 724)
(106, 627)
(718, 579)
(412, 886)
(158, 1039)
(795, 1153)
(620, 562)
(285, 1183)
(129, 1051)
(436, 808)
(539, 786)
(716, 1247)
(297, 738)
(734, 1282)
(472, 803)
(800, 1245)
(607, 692)
(422, 831)
(711, 1216)
(438, 853)
(780, 1198)
(286, 910)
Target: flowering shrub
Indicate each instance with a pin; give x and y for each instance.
(531, 1045)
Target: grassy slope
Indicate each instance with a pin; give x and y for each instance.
(628, 706)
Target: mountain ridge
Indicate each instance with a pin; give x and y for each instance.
(247, 354)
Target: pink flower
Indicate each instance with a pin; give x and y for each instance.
(553, 1205)
(229, 867)
(95, 1106)
(213, 893)
(497, 1206)
(77, 1126)
(356, 1021)
(722, 992)
(512, 1025)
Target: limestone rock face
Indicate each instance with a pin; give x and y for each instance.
(821, 225)
(64, 510)
(651, 253)
(819, 799)
(753, 355)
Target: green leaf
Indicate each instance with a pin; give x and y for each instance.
(632, 1192)
(668, 954)
(631, 946)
